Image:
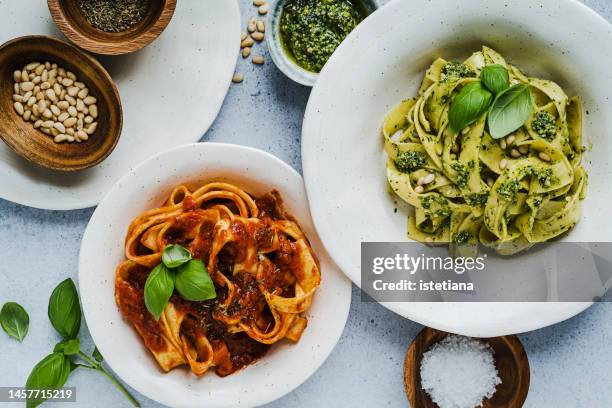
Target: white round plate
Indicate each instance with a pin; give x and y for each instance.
(382, 62)
(171, 92)
(286, 365)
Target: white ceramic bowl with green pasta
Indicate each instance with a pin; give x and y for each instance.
(383, 62)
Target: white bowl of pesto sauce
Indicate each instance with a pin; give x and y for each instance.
(303, 34)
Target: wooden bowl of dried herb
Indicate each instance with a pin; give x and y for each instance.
(112, 27)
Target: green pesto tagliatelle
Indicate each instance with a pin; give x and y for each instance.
(487, 154)
(311, 30)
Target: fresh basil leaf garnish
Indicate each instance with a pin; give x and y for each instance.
(50, 373)
(64, 309)
(510, 110)
(495, 78)
(158, 289)
(194, 283)
(468, 106)
(175, 255)
(14, 320)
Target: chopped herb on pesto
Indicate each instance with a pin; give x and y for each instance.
(462, 174)
(311, 30)
(462, 237)
(410, 161)
(476, 199)
(455, 69)
(545, 125)
(546, 178)
(508, 190)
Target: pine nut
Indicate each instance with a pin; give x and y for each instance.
(243, 36)
(56, 111)
(47, 114)
(92, 128)
(83, 93)
(26, 86)
(252, 25)
(261, 26)
(17, 76)
(420, 181)
(69, 122)
(246, 51)
(73, 91)
(258, 3)
(465, 130)
(515, 153)
(238, 78)
(31, 101)
(524, 149)
(62, 117)
(80, 105)
(90, 100)
(429, 178)
(71, 75)
(257, 36)
(24, 76)
(37, 124)
(45, 85)
(79, 85)
(544, 156)
(60, 127)
(32, 65)
(419, 189)
(63, 105)
(502, 144)
(258, 60)
(247, 43)
(503, 163)
(72, 111)
(60, 138)
(93, 111)
(39, 69)
(490, 181)
(27, 114)
(17, 98)
(19, 108)
(47, 124)
(57, 88)
(81, 135)
(42, 105)
(263, 9)
(88, 119)
(510, 139)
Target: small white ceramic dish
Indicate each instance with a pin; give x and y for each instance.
(171, 92)
(279, 55)
(286, 365)
(382, 62)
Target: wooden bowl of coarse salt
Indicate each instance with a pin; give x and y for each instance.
(112, 27)
(442, 370)
(59, 108)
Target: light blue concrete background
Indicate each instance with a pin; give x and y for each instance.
(570, 362)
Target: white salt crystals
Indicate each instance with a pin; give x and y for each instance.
(459, 372)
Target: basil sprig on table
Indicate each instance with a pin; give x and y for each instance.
(53, 371)
(14, 320)
(507, 112)
(177, 271)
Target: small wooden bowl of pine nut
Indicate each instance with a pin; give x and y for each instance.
(104, 27)
(59, 108)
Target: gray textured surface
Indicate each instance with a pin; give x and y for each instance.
(569, 361)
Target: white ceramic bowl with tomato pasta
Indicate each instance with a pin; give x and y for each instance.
(286, 365)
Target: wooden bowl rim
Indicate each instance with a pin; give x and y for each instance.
(18, 148)
(67, 26)
(525, 373)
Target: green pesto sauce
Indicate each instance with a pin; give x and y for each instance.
(311, 30)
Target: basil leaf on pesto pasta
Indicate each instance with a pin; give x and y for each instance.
(495, 78)
(194, 283)
(175, 255)
(158, 289)
(510, 110)
(469, 105)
